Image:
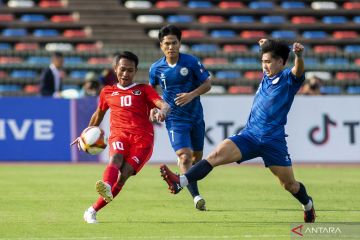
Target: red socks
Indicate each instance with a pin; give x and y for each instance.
(100, 203)
(111, 174)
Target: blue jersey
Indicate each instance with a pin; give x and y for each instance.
(184, 77)
(272, 103)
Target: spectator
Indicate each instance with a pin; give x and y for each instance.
(312, 86)
(91, 86)
(50, 80)
(108, 76)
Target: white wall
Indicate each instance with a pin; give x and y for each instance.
(225, 114)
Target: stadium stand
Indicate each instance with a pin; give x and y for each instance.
(223, 34)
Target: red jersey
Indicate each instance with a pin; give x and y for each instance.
(129, 108)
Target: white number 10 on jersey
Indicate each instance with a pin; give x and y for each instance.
(125, 101)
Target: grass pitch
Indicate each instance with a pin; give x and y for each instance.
(48, 201)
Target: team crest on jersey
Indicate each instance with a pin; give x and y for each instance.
(136, 92)
(184, 71)
(115, 94)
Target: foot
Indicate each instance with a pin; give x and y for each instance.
(199, 203)
(104, 189)
(90, 215)
(171, 179)
(309, 216)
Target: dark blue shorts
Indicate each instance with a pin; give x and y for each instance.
(274, 151)
(186, 134)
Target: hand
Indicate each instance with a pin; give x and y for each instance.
(157, 115)
(153, 113)
(298, 49)
(262, 41)
(76, 141)
(183, 98)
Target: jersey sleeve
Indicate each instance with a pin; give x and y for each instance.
(152, 96)
(152, 76)
(199, 70)
(102, 100)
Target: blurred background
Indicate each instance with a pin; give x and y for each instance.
(223, 34)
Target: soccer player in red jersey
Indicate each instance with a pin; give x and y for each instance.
(131, 132)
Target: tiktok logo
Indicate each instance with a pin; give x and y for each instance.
(314, 132)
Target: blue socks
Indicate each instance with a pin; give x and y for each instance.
(198, 171)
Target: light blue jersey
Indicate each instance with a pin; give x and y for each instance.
(184, 77)
(272, 103)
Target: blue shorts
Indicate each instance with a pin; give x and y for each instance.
(274, 151)
(186, 134)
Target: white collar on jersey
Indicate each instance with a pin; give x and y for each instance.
(126, 88)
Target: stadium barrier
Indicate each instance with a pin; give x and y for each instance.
(320, 128)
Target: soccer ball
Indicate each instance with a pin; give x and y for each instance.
(92, 140)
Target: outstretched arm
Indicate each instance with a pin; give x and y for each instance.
(184, 98)
(299, 67)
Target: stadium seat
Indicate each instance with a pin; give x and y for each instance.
(10, 60)
(311, 61)
(26, 46)
(353, 90)
(246, 61)
(326, 76)
(180, 19)
(75, 33)
(211, 61)
(231, 48)
(351, 5)
(330, 90)
(273, 19)
(227, 74)
(253, 75)
(325, 49)
(98, 60)
(255, 48)
(199, 4)
(216, 89)
(205, 48)
(10, 88)
(5, 46)
(14, 32)
(284, 34)
(347, 76)
(31, 89)
(23, 74)
(230, 5)
(241, 19)
(46, 33)
(222, 33)
(50, 4)
(253, 34)
(352, 49)
(150, 19)
(3, 74)
(138, 4)
(78, 74)
(345, 34)
(211, 19)
(261, 5)
(356, 19)
(323, 5)
(193, 34)
(315, 34)
(303, 20)
(357, 61)
(6, 18)
(20, 4)
(292, 5)
(63, 18)
(33, 18)
(154, 33)
(81, 47)
(38, 60)
(336, 61)
(62, 47)
(168, 4)
(73, 60)
(334, 20)
(241, 90)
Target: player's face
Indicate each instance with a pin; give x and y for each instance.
(125, 71)
(271, 66)
(170, 46)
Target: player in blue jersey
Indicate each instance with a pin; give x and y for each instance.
(183, 79)
(264, 133)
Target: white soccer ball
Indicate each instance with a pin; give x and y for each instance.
(92, 140)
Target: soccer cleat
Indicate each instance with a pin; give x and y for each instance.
(104, 189)
(90, 215)
(309, 216)
(172, 179)
(199, 203)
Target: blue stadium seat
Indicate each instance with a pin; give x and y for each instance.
(199, 4)
(10, 88)
(334, 19)
(5, 46)
(33, 18)
(180, 19)
(78, 74)
(222, 33)
(46, 33)
(23, 74)
(353, 90)
(356, 19)
(206, 48)
(255, 48)
(273, 19)
(310, 61)
(241, 19)
(352, 49)
(330, 90)
(284, 34)
(73, 60)
(249, 61)
(38, 60)
(336, 61)
(314, 34)
(227, 74)
(14, 32)
(261, 5)
(292, 5)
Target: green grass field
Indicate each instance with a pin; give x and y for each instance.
(244, 202)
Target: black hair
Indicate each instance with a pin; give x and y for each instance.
(57, 54)
(277, 49)
(169, 30)
(125, 54)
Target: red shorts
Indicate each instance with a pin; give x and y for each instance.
(136, 149)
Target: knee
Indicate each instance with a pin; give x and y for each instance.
(291, 187)
(117, 160)
(185, 159)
